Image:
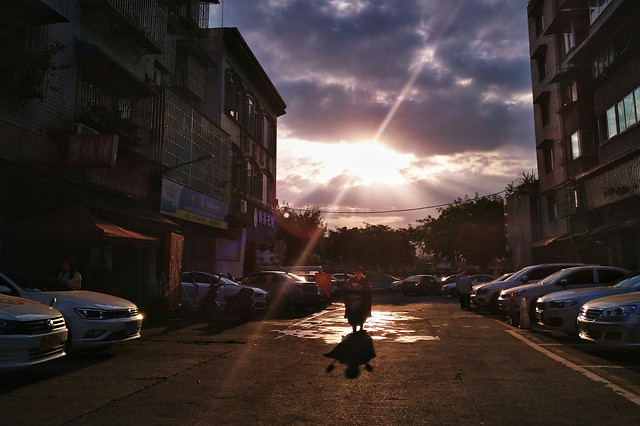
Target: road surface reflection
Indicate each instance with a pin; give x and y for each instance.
(332, 327)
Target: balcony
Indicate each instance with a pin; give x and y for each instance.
(612, 184)
(137, 20)
(194, 14)
(40, 12)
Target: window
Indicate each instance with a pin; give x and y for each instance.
(544, 113)
(622, 126)
(596, 7)
(569, 93)
(539, 24)
(576, 149)
(232, 95)
(266, 186)
(612, 128)
(265, 131)
(581, 277)
(250, 113)
(576, 199)
(609, 275)
(629, 110)
(603, 56)
(547, 153)
(542, 68)
(568, 41)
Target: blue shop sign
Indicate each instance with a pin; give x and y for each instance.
(185, 203)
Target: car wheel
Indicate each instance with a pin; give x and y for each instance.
(532, 310)
(493, 304)
(247, 314)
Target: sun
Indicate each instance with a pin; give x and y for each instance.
(372, 163)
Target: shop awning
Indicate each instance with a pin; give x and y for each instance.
(76, 223)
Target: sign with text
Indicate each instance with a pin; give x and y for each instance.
(188, 204)
(93, 150)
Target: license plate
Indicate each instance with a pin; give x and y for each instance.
(50, 341)
(131, 327)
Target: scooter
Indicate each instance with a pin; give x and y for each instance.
(240, 304)
(357, 304)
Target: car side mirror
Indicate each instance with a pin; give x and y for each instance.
(5, 290)
(524, 278)
(563, 282)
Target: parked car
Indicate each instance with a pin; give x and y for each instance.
(421, 284)
(94, 320)
(338, 281)
(570, 278)
(196, 284)
(30, 332)
(611, 321)
(559, 311)
(395, 286)
(285, 289)
(448, 287)
(486, 295)
(382, 283)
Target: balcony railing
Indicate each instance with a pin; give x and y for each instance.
(194, 13)
(614, 184)
(138, 20)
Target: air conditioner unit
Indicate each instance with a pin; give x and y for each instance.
(243, 206)
(81, 129)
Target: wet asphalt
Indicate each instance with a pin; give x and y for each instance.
(421, 360)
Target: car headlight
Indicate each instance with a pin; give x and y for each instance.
(505, 294)
(92, 314)
(9, 327)
(618, 312)
(560, 304)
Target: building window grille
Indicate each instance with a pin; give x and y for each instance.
(596, 7)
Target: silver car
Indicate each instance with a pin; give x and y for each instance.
(285, 289)
(559, 311)
(570, 278)
(486, 295)
(611, 321)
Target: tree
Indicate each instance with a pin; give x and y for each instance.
(468, 231)
(302, 232)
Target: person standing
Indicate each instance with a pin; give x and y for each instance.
(357, 299)
(463, 287)
(70, 274)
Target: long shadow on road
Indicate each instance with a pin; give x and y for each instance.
(355, 350)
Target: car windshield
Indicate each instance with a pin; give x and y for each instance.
(632, 282)
(225, 281)
(295, 277)
(38, 282)
(551, 279)
(503, 277)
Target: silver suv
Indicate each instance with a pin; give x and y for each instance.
(486, 295)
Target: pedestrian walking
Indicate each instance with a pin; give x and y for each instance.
(463, 287)
(357, 299)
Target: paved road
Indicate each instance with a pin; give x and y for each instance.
(433, 364)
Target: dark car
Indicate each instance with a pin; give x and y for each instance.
(285, 289)
(381, 282)
(421, 284)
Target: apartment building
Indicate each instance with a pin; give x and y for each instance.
(109, 151)
(584, 66)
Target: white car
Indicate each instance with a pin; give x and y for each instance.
(196, 284)
(611, 321)
(565, 279)
(94, 320)
(559, 311)
(30, 332)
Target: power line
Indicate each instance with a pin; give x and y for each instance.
(435, 206)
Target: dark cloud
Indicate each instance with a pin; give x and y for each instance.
(339, 72)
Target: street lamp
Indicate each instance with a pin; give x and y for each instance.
(201, 158)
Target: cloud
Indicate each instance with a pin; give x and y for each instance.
(445, 81)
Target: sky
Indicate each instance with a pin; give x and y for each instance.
(392, 105)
